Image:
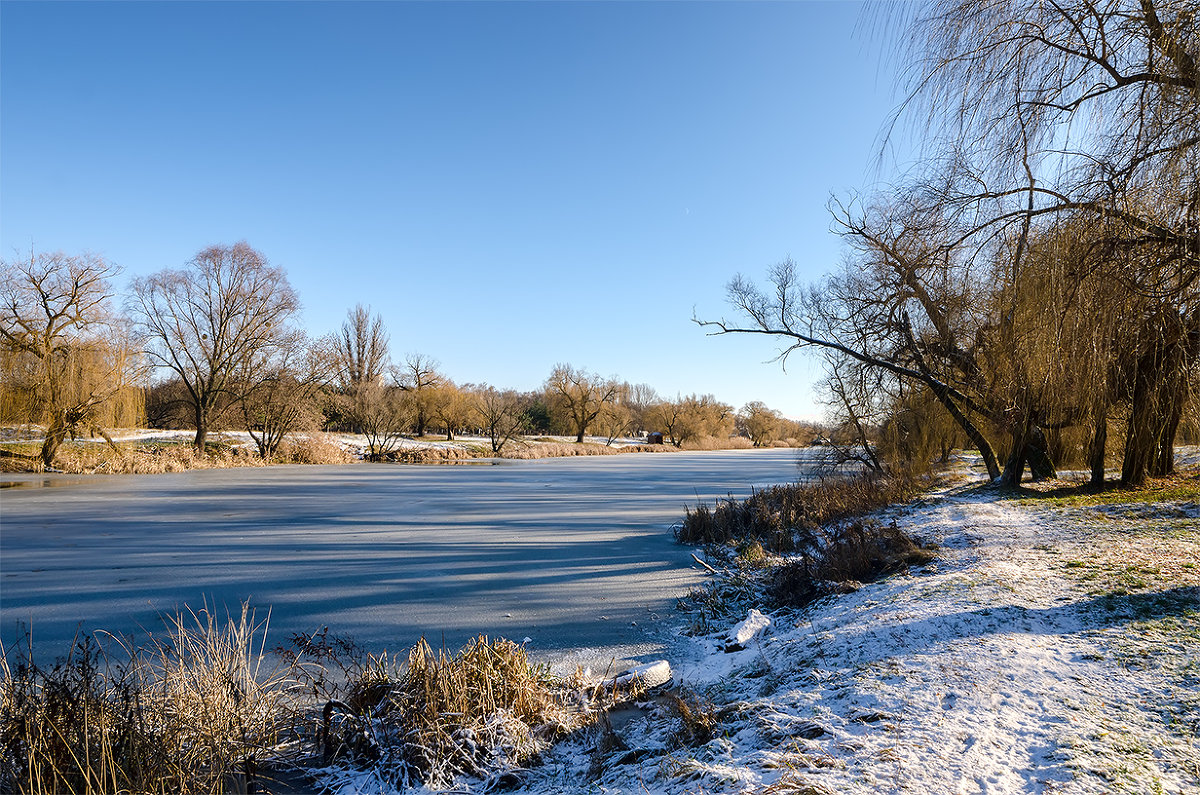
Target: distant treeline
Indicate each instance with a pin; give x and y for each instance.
(215, 345)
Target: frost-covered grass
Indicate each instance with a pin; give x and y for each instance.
(1052, 647)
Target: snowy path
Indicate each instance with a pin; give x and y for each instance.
(1045, 651)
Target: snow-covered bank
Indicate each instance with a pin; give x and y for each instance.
(1049, 649)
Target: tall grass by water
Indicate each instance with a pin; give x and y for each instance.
(796, 543)
(782, 518)
(207, 708)
(194, 711)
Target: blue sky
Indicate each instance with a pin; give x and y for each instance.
(510, 185)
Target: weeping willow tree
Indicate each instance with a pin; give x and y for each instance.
(1078, 122)
(1040, 269)
(68, 361)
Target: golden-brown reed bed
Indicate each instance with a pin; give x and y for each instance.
(155, 457)
(206, 708)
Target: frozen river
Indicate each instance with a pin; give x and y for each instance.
(573, 553)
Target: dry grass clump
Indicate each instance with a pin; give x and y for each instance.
(193, 713)
(847, 555)
(432, 455)
(698, 719)
(718, 443)
(481, 712)
(555, 449)
(314, 448)
(137, 458)
(783, 518)
(156, 457)
(216, 674)
(792, 783)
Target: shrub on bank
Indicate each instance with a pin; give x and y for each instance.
(818, 526)
(847, 555)
(782, 518)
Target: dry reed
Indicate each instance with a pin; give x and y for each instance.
(718, 443)
(156, 457)
(783, 518)
(191, 713)
(203, 707)
(481, 712)
(848, 554)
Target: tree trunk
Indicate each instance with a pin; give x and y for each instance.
(1149, 411)
(1096, 451)
(1037, 455)
(1014, 467)
(973, 433)
(201, 429)
(942, 393)
(55, 434)
(1029, 447)
(1160, 393)
(1162, 463)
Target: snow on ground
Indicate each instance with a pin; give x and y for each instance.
(1047, 650)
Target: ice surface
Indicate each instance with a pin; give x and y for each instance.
(573, 553)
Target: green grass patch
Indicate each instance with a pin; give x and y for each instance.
(1182, 487)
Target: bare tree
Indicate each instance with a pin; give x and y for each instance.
(668, 417)
(638, 398)
(613, 421)
(55, 314)
(1064, 154)
(284, 383)
(861, 317)
(693, 417)
(579, 396)
(450, 406)
(362, 349)
(383, 415)
(501, 415)
(1090, 111)
(209, 319)
(850, 391)
(417, 376)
